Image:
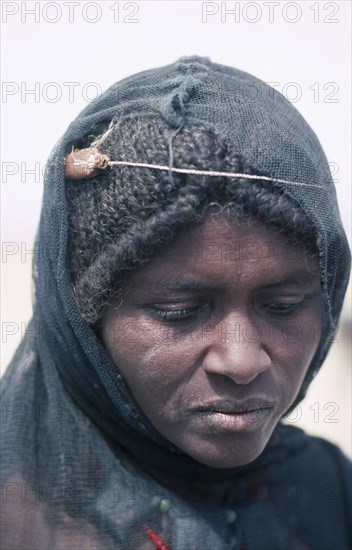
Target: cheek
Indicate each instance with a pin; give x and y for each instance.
(292, 349)
(149, 359)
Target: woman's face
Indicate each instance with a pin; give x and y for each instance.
(215, 335)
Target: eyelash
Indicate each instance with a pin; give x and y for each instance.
(176, 315)
(283, 309)
(275, 309)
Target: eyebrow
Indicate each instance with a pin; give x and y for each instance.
(296, 277)
(178, 284)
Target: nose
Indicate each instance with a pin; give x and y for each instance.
(238, 354)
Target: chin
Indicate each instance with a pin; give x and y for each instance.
(239, 454)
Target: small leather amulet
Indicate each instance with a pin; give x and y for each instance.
(85, 163)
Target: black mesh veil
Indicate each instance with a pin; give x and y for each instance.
(72, 435)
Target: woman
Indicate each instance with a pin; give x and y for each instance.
(189, 280)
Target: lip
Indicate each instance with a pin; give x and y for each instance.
(233, 416)
(236, 406)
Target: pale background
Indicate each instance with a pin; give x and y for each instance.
(69, 51)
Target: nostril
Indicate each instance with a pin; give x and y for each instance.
(265, 360)
(242, 362)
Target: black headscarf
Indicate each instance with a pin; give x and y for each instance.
(71, 429)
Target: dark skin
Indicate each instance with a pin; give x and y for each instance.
(214, 337)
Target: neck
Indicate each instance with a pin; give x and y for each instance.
(215, 492)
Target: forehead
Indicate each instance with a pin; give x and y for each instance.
(219, 249)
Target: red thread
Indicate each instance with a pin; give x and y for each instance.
(156, 539)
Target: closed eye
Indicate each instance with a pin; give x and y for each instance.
(283, 309)
(176, 315)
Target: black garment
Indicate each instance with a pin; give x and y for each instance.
(300, 502)
(72, 435)
(295, 496)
